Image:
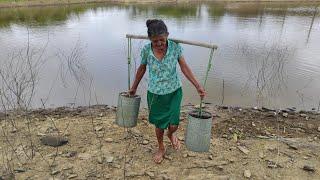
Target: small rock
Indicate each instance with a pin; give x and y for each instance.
(285, 115)
(303, 115)
(13, 130)
(181, 138)
(164, 177)
(135, 132)
(98, 128)
(109, 140)
(109, 159)
(191, 154)
(262, 155)
(71, 176)
(145, 142)
(70, 154)
(309, 168)
(185, 155)
(19, 170)
(55, 172)
(220, 168)
(100, 159)
(273, 165)
(41, 134)
(150, 174)
(243, 149)
(247, 174)
(231, 160)
(292, 146)
(225, 136)
(53, 141)
(253, 124)
(210, 157)
(319, 128)
(84, 156)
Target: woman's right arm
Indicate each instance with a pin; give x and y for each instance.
(140, 72)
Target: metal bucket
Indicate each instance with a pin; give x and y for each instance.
(198, 134)
(127, 110)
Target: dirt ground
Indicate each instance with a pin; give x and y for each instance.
(247, 143)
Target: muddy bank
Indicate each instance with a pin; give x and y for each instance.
(24, 3)
(257, 143)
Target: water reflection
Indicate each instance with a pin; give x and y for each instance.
(39, 16)
(43, 16)
(249, 77)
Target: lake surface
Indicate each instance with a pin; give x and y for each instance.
(268, 55)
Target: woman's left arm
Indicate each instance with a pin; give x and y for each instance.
(189, 75)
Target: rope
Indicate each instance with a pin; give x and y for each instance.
(206, 78)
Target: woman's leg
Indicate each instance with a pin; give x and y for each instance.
(158, 157)
(173, 138)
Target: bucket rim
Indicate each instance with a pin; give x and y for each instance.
(192, 114)
(125, 94)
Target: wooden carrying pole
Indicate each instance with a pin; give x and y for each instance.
(130, 36)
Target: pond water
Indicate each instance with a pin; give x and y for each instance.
(268, 55)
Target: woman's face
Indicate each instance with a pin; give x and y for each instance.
(159, 42)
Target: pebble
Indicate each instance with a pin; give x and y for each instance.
(100, 160)
(109, 159)
(150, 174)
(13, 130)
(210, 157)
(164, 177)
(247, 173)
(262, 155)
(303, 115)
(185, 155)
(191, 154)
(309, 168)
(220, 168)
(98, 128)
(84, 156)
(285, 115)
(319, 128)
(71, 176)
(53, 141)
(145, 142)
(55, 172)
(243, 149)
(19, 170)
(109, 140)
(181, 138)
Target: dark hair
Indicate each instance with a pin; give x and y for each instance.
(156, 27)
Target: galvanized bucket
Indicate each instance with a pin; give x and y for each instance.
(198, 133)
(127, 110)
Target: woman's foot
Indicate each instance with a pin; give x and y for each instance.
(175, 142)
(159, 156)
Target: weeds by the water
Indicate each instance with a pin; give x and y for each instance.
(266, 70)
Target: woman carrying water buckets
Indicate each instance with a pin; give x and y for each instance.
(164, 87)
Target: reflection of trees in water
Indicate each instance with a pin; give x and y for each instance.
(177, 11)
(40, 16)
(216, 11)
(266, 70)
(52, 14)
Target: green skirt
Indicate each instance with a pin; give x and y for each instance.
(164, 110)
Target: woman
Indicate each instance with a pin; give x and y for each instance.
(164, 87)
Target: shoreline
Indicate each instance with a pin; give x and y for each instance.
(34, 3)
